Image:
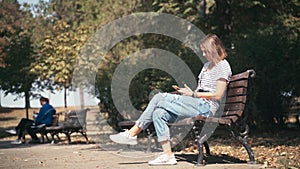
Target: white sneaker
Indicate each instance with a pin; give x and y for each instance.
(11, 131)
(16, 142)
(124, 138)
(164, 159)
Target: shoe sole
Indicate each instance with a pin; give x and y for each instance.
(170, 162)
(16, 143)
(11, 132)
(156, 164)
(122, 142)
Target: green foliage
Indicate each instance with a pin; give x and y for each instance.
(149, 80)
(57, 55)
(263, 35)
(16, 51)
(58, 48)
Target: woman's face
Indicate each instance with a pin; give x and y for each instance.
(204, 52)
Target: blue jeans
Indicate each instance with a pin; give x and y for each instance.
(164, 108)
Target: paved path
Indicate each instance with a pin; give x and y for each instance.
(104, 155)
(90, 156)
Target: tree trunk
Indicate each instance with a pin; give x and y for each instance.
(224, 17)
(65, 96)
(27, 103)
(81, 95)
(0, 98)
(202, 8)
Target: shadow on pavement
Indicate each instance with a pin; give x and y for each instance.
(212, 159)
(6, 144)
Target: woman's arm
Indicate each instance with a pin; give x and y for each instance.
(220, 89)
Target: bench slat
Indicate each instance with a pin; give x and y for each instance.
(234, 106)
(237, 91)
(239, 83)
(214, 119)
(236, 99)
(243, 75)
(231, 114)
(229, 120)
(126, 123)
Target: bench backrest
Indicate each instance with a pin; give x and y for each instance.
(237, 95)
(75, 118)
(55, 120)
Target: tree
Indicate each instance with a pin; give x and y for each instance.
(151, 79)
(16, 52)
(265, 36)
(262, 35)
(56, 57)
(58, 49)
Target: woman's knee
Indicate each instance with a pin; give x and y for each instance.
(158, 114)
(158, 97)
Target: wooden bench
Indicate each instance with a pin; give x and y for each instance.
(42, 129)
(74, 122)
(232, 115)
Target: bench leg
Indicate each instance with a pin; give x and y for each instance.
(148, 144)
(149, 134)
(244, 142)
(53, 138)
(57, 137)
(201, 140)
(46, 137)
(68, 135)
(207, 150)
(200, 155)
(242, 138)
(85, 136)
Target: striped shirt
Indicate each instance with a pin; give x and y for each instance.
(208, 80)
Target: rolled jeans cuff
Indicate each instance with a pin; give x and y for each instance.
(163, 138)
(142, 125)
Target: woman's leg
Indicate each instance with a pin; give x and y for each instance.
(146, 118)
(168, 111)
(186, 106)
(130, 136)
(135, 130)
(166, 146)
(182, 106)
(161, 117)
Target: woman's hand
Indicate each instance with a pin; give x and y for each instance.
(186, 91)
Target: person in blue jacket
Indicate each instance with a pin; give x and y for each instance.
(44, 117)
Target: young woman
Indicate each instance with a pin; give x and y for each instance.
(165, 107)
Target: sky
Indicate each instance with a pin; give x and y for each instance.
(28, 1)
(57, 99)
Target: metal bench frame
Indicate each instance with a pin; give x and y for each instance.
(74, 122)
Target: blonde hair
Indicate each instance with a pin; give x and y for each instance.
(213, 48)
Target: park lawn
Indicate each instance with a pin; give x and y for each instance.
(279, 149)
